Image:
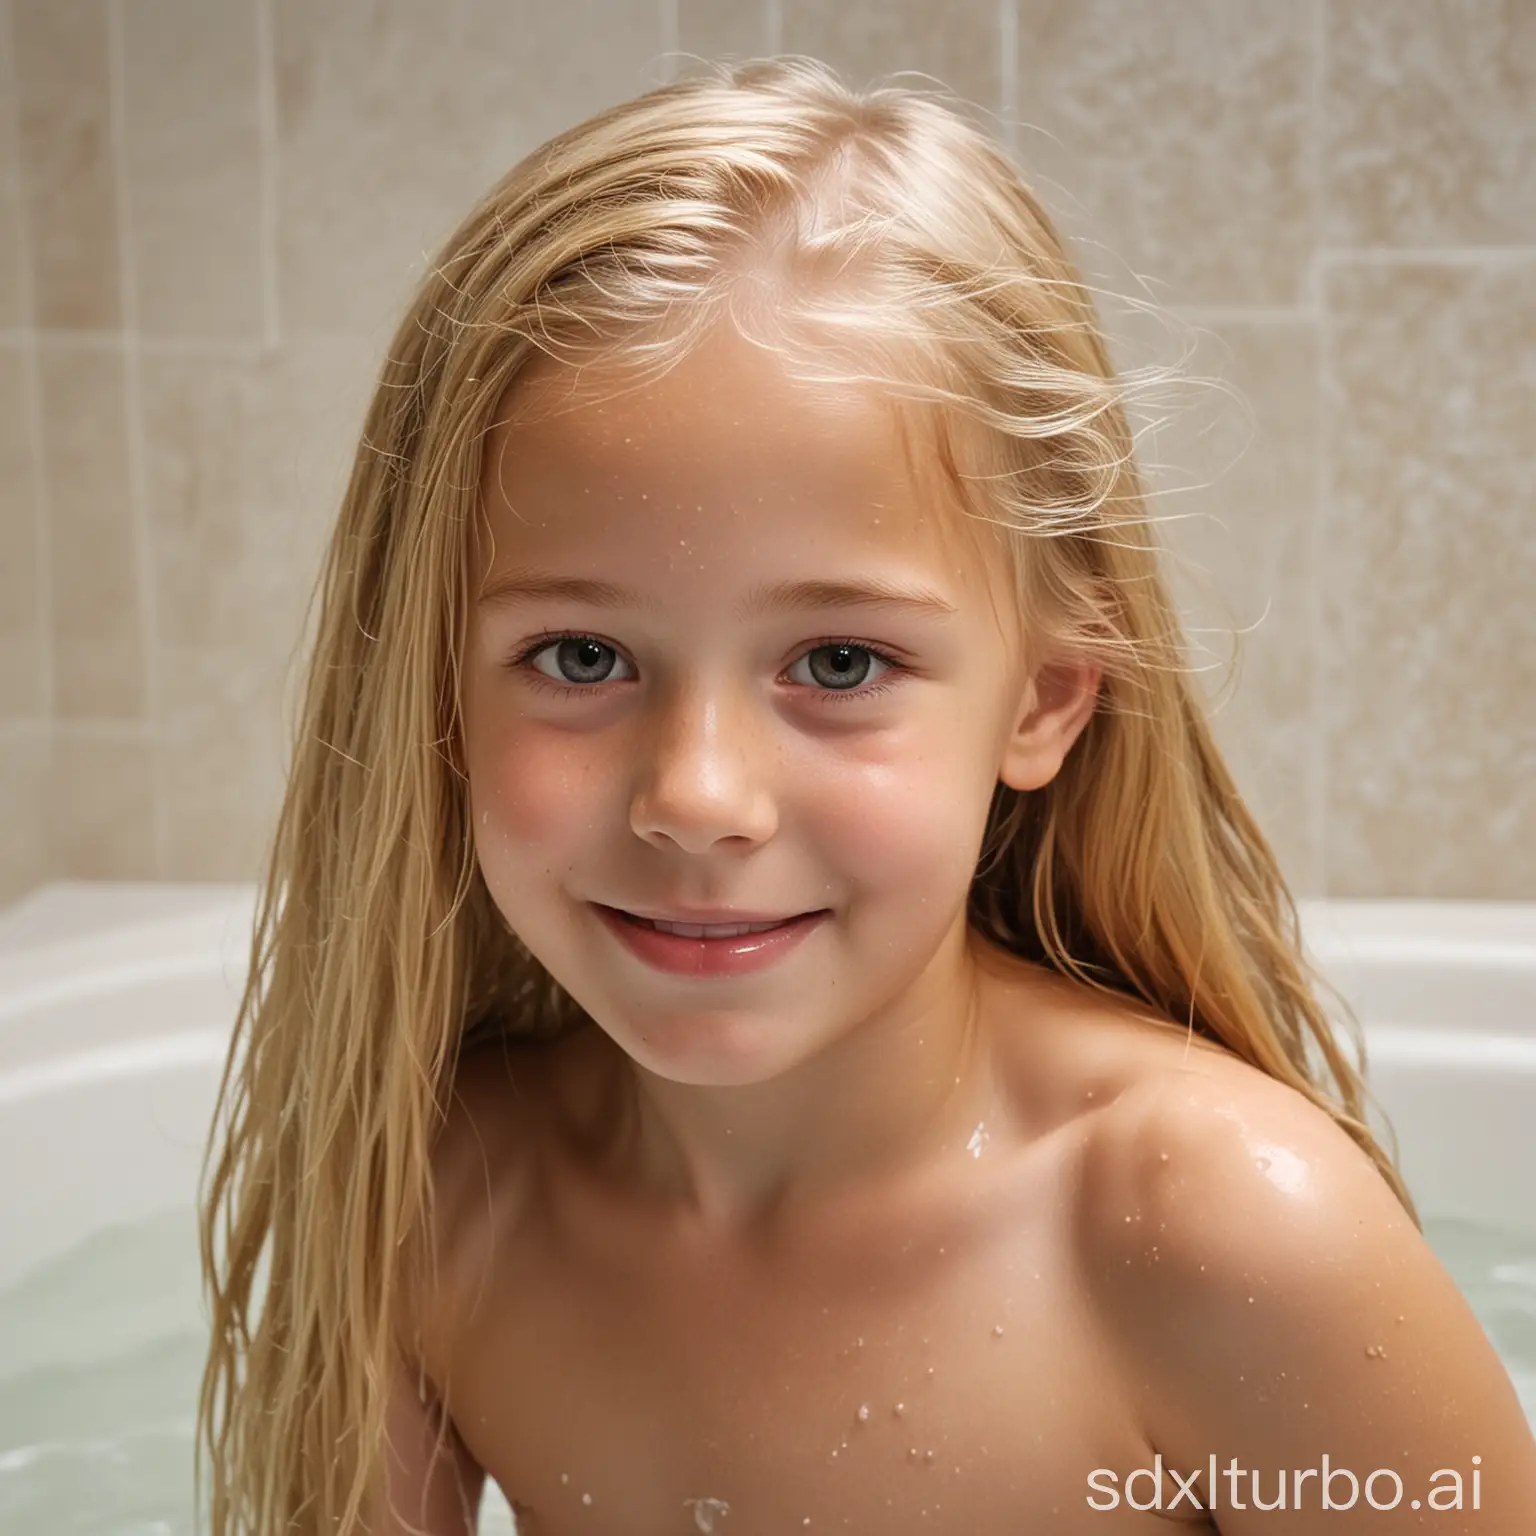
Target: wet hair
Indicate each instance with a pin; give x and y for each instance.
(878, 235)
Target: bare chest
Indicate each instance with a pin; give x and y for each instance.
(942, 1379)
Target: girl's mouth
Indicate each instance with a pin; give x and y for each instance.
(709, 950)
(707, 930)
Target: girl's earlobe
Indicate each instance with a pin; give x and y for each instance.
(1060, 700)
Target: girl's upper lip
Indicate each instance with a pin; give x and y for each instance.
(710, 916)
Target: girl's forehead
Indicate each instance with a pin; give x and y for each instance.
(726, 472)
(729, 436)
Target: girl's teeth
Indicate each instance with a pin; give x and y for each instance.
(718, 931)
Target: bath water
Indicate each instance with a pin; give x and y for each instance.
(101, 1351)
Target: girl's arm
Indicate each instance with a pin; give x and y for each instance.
(424, 1490)
(1275, 1306)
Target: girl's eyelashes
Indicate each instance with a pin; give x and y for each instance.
(577, 653)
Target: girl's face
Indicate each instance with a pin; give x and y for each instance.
(689, 733)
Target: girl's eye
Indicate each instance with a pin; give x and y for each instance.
(581, 663)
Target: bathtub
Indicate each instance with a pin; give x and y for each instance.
(115, 1005)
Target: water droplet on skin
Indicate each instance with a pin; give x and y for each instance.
(979, 1138)
(1162, 1157)
(997, 1331)
(705, 1510)
(927, 1455)
(912, 1454)
(901, 1408)
(863, 1413)
(586, 1498)
(565, 1477)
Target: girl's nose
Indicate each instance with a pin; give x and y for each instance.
(703, 775)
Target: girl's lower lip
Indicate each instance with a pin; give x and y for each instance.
(682, 956)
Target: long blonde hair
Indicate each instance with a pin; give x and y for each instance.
(881, 227)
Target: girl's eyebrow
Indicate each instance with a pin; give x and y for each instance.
(521, 585)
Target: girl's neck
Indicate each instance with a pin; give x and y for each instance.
(887, 1098)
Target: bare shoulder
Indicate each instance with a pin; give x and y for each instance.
(1266, 1293)
(1234, 1170)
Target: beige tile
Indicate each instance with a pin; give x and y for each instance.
(221, 762)
(1246, 577)
(24, 777)
(719, 28)
(100, 807)
(64, 98)
(192, 163)
(246, 459)
(13, 306)
(1430, 642)
(93, 575)
(390, 133)
(23, 681)
(958, 42)
(1175, 136)
(1430, 134)
(1229, 453)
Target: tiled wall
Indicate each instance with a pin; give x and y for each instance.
(211, 212)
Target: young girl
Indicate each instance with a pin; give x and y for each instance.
(768, 1012)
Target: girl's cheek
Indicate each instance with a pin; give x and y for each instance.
(905, 827)
(530, 793)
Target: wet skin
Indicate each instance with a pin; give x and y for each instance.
(681, 1250)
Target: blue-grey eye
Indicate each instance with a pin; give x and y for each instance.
(845, 667)
(588, 661)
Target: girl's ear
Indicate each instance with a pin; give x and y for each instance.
(1058, 703)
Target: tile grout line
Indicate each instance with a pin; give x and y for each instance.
(267, 148)
(133, 400)
(245, 347)
(78, 728)
(1008, 70)
(1422, 255)
(1318, 202)
(32, 402)
(1322, 470)
(1246, 314)
(667, 20)
(774, 20)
